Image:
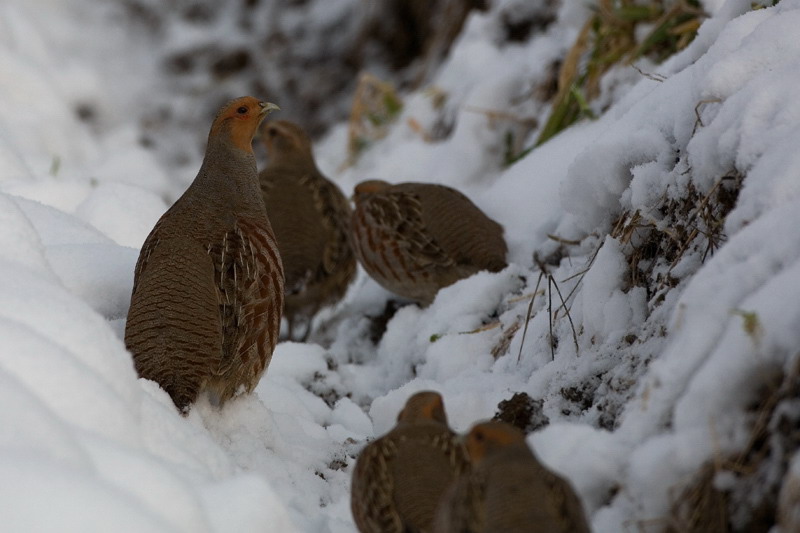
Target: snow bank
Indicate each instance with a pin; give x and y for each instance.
(641, 386)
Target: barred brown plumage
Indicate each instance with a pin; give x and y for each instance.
(416, 238)
(208, 286)
(399, 478)
(507, 489)
(310, 217)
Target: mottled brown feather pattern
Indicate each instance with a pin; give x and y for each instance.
(176, 357)
(415, 238)
(399, 477)
(251, 297)
(310, 217)
(208, 286)
(508, 489)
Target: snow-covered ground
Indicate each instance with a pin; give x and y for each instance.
(659, 378)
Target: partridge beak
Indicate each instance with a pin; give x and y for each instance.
(267, 108)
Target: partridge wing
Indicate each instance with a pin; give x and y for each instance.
(249, 277)
(462, 230)
(372, 491)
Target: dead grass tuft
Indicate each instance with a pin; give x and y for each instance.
(614, 36)
(656, 243)
(758, 470)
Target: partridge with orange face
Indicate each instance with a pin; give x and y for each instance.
(399, 478)
(507, 489)
(208, 286)
(310, 217)
(416, 238)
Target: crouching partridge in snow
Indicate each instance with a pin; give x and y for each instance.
(399, 478)
(415, 238)
(310, 217)
(208, 286)
(507, 489)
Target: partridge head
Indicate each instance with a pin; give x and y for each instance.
(208, 286)
(508, 489)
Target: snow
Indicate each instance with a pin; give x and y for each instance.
(655, 387)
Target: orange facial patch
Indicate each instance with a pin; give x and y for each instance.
(371, 186)
(490, 435)
(241, 117)
(434, 410)
(242, 130)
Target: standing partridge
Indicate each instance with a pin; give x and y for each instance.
(415, 238)
(208, 286)
(311, 218)
(399, 478)
(507, 489)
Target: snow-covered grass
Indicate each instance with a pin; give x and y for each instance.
(660, 376)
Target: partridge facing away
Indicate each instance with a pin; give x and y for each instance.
(399, 478)
(507, 489)
(311, 220)
(208, 286)
(416, 238)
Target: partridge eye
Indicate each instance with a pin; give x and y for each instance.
(242, 110)
(272, 132)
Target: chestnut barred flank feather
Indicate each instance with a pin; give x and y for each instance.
(310, 217)
(399, 478)
(208, 287)
(507, 489)
(416, 238)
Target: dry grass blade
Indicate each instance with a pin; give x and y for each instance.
(569, 316)
(698, 119)
(550, 318)
(505, 340)
(580, 275)
(562, 240)
(495, 115)
(649, 75)
(528, 316)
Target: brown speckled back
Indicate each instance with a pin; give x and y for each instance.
(415, 238)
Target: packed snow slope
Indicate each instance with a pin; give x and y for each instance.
(652, 373)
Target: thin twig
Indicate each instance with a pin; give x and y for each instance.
(582, 273)
(550, 316)
(651, 76)
(699, 120)
(562, 240)
(528, 316)
(495, 114)
(569, 317)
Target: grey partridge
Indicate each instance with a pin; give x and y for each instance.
(208, 286)
(311, 220)
(416, 238)
(399, 478)
(507, 489)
